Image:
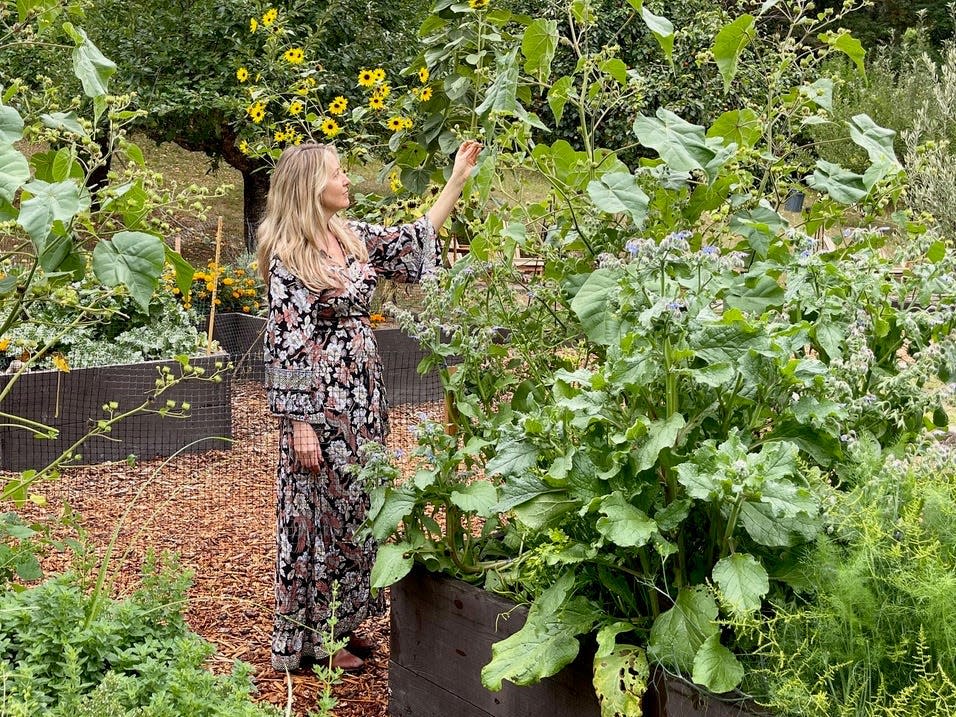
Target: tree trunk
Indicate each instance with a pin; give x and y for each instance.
(255, 189)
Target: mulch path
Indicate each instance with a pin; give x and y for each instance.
(216, 510)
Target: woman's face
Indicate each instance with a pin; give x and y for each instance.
(335, 196)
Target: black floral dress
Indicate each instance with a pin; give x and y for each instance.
(322, 366)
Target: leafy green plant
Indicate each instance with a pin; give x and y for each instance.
(871, 634)
(63, 652)
(645, 426)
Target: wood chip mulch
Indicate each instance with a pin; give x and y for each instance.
(216, 510)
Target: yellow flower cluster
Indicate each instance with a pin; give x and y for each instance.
(294, 55)
(257, 111)
(398, 123)
(237, 289)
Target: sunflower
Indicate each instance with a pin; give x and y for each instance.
(423, 75)
(376, 103)
(383, 90)
(407, 123)
(270, 16)
(396, 124)
(366, 78)
(425, 94)
(242, 74)
(295, 107)
(294, 55)
(378, 74)
(253, 24)
(338, 105)
(279, 136)
(477, 4)
(330, 127)
(395, 181)
(257, 111)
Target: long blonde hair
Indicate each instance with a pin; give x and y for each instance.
(296, 220)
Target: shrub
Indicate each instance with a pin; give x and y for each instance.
(65, 651)
(238, 288)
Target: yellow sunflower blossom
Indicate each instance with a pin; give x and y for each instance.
(338, 105)
(294, 55)
(477, 4)
(330, 127)
(257, 111)
(423, 75)
(395, 181)
(270, 16)
(407, 123)
(425, 94)
(279, 136)
(396, 124)
(378, 74)
(295, 107)
(4, 344)
(242, 74)
(244, 147)
(376, 103)
(366, 78)
(383, 90)
(253, 24)
(228, 281)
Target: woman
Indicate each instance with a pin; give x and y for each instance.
(324, 381)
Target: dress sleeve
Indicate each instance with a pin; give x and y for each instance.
(293, 383)
(402, 253)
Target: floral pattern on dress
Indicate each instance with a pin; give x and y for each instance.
(322, 366)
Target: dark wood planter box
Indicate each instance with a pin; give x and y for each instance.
(240, 336)
(441, 635)
(72, 402)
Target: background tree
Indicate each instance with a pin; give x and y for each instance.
(181, 57)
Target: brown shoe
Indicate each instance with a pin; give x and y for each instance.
(345, 660)
(361, 646)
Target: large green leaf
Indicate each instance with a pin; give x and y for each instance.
(11, 125)
(396, 505)
(538, 44)
(661, 434)
(878, 143)
(740, 126)
(663, 31)
(513, 457)
(558, 97)
(742, 581)
(716, 667)
(820, 93)
(478, 497)
(683, 146)
(502, 95)
(131, 259)
(757, 295)
(848, 45)
(592, 308)
(520, 488)
(760, 225)
(620, 192)
(91, 67)
(14, 171)
(546, 509)
(620, 673)
(64, 122)
(841, 184)
(678, 633)
(546, 643)
(49, 203)
(624, 524)
(183, 269)
(391, 565)
(729, 43)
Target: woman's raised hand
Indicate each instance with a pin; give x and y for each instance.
(466, 159)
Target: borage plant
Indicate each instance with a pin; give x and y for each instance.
(645, 425)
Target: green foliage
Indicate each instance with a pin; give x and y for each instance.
(646, 425)
(62, 652)
(873, 635)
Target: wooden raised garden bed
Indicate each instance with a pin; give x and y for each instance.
(442, 631)
(73, 401)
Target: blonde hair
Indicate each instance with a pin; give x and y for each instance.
(296, 221)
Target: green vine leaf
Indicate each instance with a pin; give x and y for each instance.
(678, 633)
(14, 171)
